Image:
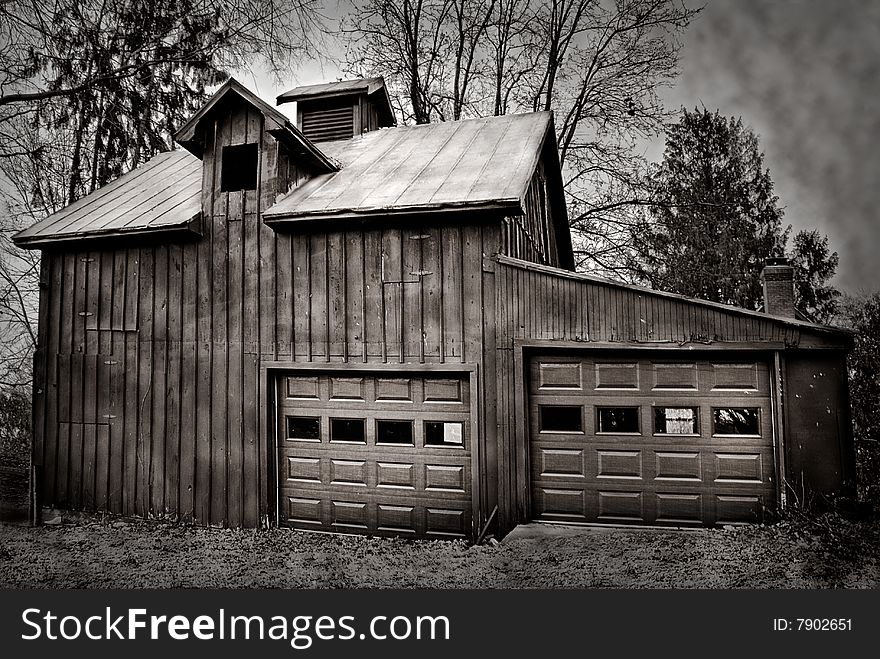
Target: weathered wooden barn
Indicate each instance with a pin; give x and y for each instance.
(343, 325)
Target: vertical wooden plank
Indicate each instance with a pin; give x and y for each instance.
(91, 269)
(300, 246)
(393, 299)
(146, 392)
(260, 314)
(219, 372)
(131, 453)
(173, 389)
(235, 334)
(496, 452)
(77, 382)
(105, 370)
(374, 316)
(354, 293)
(253, 468)
(411, 275)
(188, 376)
(160, 381)
(472, 273)
(450, 255)
(204, 384)
(336, 301)
(431, 295)
(320, 337)
(53, 320)
(283, 303)
(117, 368)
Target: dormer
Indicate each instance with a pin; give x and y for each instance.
(341, 110)
(250, 152)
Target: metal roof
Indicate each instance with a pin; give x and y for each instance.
(457, 165)
(462, 165)
(368, 85)
(162, 195)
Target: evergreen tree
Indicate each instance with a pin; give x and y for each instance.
(714, 217)
(814, 264)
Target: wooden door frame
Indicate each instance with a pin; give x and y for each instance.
(523, 349)
(270, 372)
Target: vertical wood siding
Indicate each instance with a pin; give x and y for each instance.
(531, 236)
(151, 356)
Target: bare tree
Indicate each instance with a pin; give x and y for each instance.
(89, 89)
(597, 64)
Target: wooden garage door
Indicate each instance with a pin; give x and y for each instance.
(650, 440)
(384, 455)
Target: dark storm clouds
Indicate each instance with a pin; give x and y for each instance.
(805, 75)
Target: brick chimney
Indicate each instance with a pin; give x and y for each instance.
(778, 280)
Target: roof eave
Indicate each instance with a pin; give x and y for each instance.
(502, 207)
(186, 228)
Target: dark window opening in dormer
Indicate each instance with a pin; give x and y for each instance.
(239, 168)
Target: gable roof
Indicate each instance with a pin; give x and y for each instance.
(457, 165)
(276, 123)
(161, 196)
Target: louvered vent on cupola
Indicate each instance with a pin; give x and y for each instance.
(341, 110)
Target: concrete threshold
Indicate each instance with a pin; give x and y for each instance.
(538, 530)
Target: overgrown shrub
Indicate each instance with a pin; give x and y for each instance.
(862, 314)
(15, 427)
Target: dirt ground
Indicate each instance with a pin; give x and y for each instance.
(92, 553)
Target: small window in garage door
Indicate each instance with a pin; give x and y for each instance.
(733, 421)
(676, 421)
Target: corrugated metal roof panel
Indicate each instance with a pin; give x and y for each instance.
(462, 164)
(164, 193)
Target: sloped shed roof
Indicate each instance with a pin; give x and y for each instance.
(163, 194)
(368, 85)
(458, 165)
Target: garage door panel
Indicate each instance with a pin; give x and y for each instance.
(351, 514)
(348, 472)
(615, 506)
(617, 376)
(730, 509)
(303, 470)
(678, 465)
(395, 518)
(398, 461)
(447, 478)
(657, 454)
(679, 508)
(562, 503)
(739, 467)
(395, 475)
(304, 510)
(619, 464)
(445, 522)
(564, 462)
(674, 376)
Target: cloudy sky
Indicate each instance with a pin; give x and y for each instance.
(805, 75)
